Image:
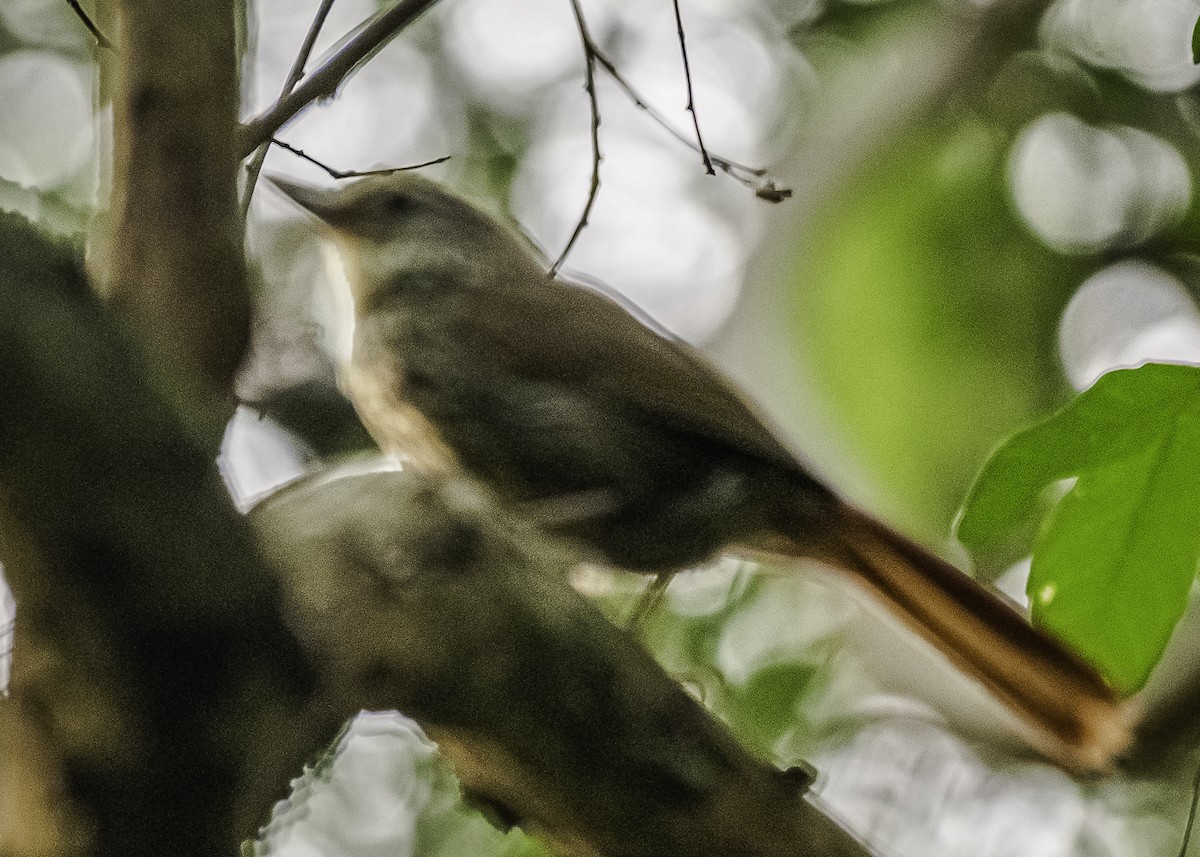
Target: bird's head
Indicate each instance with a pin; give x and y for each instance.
(401, 225)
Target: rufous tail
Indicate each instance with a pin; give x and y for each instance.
(1075, 716)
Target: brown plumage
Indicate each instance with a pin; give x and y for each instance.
(584, 420)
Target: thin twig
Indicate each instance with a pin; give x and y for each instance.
(294, 75)
(742, 172)
(296, 72)
(1191, 819)
(353, 174)
(589, 55)
(752, 177)
(691, 102)
(324, 82)
(92, 28)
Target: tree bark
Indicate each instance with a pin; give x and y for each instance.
(173, 251)
(151, 652)
(421, 596)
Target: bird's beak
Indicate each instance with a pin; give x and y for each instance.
(324, 203)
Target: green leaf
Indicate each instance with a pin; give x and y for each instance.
(1196, 43)
(1115, 559)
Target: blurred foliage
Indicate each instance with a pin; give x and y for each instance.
(927, 308)
(928, 316)
(1114, 562)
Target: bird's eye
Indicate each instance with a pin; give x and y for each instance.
(398, 202)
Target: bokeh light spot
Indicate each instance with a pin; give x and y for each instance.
(46, 127)
(1149, 41)
(1125, 315)
(504, 55)
(1082, 189)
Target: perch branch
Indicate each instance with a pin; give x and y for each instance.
(419, 596)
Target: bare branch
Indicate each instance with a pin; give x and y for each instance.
(691, 101)
(751, 177)
(297, 71)
(101, 40)
(589, 55)
(353, 174)
(741, 172)
(324, 81)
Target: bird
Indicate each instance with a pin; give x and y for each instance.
(467, 358)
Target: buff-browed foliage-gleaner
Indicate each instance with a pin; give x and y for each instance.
(466, 357)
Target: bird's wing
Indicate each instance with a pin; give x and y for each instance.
(604, 353)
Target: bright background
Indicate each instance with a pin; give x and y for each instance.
(980, 225)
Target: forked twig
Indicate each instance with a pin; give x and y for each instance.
(590, 59)
(324, 82)
(743, 173)
(294, 75)
(752, 177)
(691, 101)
